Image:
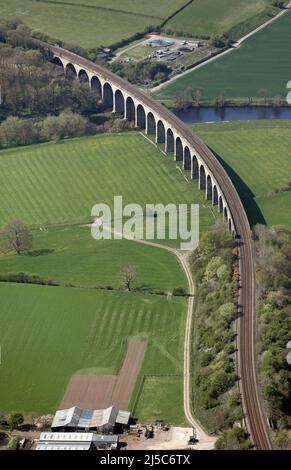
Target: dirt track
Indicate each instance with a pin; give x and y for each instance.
(128, 374)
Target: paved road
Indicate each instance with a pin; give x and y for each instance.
(252, 403)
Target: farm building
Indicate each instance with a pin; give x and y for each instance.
(65, 441)
(76, 441)
(106, 420)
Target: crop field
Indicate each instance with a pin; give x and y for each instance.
(208, 17)
(257, 156)
(49, 333)
(259, 63)
(89, 23)
(60, 183)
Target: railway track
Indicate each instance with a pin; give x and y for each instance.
(256, 420)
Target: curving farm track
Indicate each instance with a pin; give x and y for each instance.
(246, 361)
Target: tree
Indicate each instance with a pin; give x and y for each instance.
(283, 440)
(264, 93)
(16, 236)
(197, 96)
(15, 419)
(278, 100)
(128, 276)
(233, 439)
(220, 99)
(279, 3)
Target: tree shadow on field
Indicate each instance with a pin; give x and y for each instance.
(41, 252)
(247, 197)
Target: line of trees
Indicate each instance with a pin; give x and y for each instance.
(15, 131)
(193, 96)
(216, 396)
(273, 254)
(215, 393)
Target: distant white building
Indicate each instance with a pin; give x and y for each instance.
(104, 421)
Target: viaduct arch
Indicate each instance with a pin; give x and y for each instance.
(146, 113)
(121, 97)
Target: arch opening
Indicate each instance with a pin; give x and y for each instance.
(220, 205)
(215, 196)
(141, 117)
(96, 86)
(151, 124)
(161, 133)
(187, 159)
(107, 96)
(179, 150)
(83, 77)
(195, 168)
(70, 71)
(202, 178)
(209, 188)
(119, 102)
(130, 109)
(170, 142)
(57, 61)
(225, 213)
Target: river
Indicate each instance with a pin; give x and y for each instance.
(233, 113)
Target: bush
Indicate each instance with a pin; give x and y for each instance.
(12, 444)
(24, 278)
(15, 419)
(179, 291)
(235, 439)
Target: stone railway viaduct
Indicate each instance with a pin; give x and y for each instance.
(149, 115)
(132, 105)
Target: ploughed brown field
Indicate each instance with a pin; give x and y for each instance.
(89, 391)
(128, 374)
(102, 391)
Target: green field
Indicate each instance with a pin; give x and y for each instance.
(53, 188)
(60, 183)
(208, 17)
(70, 255)
(260, 63)
(257, 156)
(49, 333)
(157, 392)
(89, 23)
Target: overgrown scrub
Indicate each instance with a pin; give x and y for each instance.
(15, 131)
(273, 273)
(215, 396)
(142, 71)
(233, 439)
